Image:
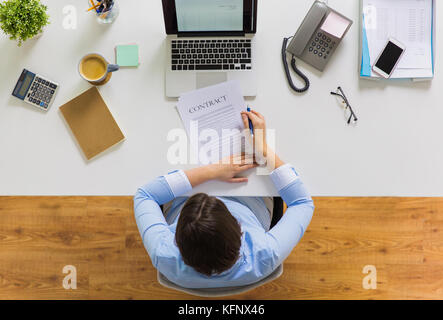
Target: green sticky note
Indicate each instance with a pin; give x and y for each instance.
(127, 55)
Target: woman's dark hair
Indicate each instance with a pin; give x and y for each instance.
(207, 235)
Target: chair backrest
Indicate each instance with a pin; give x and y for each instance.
(278, 211)
(219, 292)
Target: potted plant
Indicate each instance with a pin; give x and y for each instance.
(23, 19)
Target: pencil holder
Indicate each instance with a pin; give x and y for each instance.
(107, 10)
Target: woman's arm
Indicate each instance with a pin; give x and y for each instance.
(292, 226)
(290, 229)
(227, 170)
(148, 215)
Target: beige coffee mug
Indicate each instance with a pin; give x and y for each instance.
(94, 68)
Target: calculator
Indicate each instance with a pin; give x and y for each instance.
(35, 90)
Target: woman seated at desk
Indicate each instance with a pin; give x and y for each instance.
(215, 242)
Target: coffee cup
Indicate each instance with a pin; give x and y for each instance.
(95, 69)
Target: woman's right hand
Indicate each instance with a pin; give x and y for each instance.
(262, 152)
(259, 123)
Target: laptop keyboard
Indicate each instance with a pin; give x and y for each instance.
(220, 54)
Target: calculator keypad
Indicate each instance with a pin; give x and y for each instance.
(321, 45)
(41, 92)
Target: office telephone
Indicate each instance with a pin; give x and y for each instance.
(315, 40)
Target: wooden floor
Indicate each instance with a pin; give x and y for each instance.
(401, 237)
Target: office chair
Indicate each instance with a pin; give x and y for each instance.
(278, 211)
(229, 291)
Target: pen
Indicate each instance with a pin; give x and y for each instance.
(251, 127)
(94, 7)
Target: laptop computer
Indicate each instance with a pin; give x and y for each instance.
(209, 42)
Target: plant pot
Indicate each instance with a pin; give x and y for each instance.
(37, 36)
(14, 14)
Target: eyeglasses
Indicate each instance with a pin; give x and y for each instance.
(345, 101)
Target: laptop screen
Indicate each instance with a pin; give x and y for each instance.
(207, 17)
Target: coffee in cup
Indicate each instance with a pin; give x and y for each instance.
(94, 68)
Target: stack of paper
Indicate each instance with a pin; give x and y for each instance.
(411, 22)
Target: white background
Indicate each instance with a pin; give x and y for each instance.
(395, 150)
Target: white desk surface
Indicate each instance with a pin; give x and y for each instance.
(396, 149)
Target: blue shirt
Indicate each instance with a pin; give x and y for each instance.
(261, 251)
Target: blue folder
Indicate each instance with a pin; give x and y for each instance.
(365, 58)
(366, 67)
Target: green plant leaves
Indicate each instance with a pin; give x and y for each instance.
(22, 19)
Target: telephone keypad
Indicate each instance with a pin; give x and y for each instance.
(321, 45)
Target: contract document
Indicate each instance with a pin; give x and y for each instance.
(213, 122)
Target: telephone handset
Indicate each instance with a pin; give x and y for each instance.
(316, 39)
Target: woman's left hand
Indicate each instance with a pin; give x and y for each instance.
(228, 169)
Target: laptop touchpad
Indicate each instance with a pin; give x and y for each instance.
(206, 79)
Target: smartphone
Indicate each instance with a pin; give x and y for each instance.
(389, 58)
